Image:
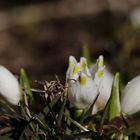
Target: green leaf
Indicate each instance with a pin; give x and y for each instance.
(48, 108)
(86, 53)
(60, 115)
(26, 86)
(112, 108)
(115, 99)
(75, 123)
(42, 124)
(88, 112)
(6, 108)
(105, 114)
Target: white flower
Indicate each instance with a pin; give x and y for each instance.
(82, 95)
(105, 87)
(104, 80)
(82, 92)
(9, 86)
(130, 100)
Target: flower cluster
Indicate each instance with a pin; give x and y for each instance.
(85, 84)
(89, 88)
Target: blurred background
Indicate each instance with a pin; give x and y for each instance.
(39, 35)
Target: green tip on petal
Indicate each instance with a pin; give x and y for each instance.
(72, 61)
(115, 98)
(86, 52)
(100, 66)
(82, 79)
(83, 62)
(100, 73)
(112, 108)
(100, 61)
(76, 69)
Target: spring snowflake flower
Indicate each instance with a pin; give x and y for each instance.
(104, 80)
(9, 86)
(83, 89)
(130, 99)
(104, 89)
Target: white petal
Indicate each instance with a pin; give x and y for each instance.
(93, 68)
(98, 75)
(72, 63)
(9, 86)
(100, 61)
(105, 85)
(97, 69)
(72, 60)
(103, 79)
(104, 90)
(75, 71)
(82, 96)
(84, 67)
(131, 97)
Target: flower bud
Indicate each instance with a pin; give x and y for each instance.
(103, 79)
(9, 86)
(104, 91)
(130, 100)
(78, 73)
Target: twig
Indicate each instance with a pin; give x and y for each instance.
(5, 130)
(76, 123)
(26, 105)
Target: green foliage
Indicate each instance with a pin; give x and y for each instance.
(112, 108)
(86, 53)
(25, 84)
(54, 120)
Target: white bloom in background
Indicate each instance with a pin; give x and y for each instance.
(9, 86)
(82, 94)
(135, 17)
(130, 100)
